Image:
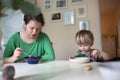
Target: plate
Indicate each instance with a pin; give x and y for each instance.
(80, 60)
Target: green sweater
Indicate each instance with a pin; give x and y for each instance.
(87, 54)
(41, 47)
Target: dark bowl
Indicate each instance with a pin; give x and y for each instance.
(32, 59)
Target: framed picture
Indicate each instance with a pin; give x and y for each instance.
(68, 17)
(47, 4)
(81, 11)
(61, 4)
(76, 1)
(56, 16)
(83, 25)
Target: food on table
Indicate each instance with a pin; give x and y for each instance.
(89, 67)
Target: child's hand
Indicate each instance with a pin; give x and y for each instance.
(71, 57)
(95, 53)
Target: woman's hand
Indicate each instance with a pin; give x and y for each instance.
(17, 53)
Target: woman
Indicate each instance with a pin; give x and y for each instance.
(31, 41)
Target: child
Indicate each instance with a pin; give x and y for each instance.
(85, 39)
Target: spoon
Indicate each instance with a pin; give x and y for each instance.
(26, 54)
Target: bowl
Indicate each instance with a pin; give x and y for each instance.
(110, 70)
(32, 59)
(80, 60)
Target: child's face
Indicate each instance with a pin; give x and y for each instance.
(84, 47)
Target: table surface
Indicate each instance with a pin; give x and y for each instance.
(56, 70)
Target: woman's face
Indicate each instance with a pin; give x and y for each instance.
(33, 29)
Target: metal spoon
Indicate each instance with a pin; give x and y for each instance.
(26, 54)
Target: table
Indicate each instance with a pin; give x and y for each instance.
(56, 70)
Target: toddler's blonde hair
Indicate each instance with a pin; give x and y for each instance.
(84, 37)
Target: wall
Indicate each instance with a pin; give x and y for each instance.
(62, 36)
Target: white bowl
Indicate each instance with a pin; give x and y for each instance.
(110, 70)
(80, 60)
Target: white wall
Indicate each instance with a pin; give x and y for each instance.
(63, 36)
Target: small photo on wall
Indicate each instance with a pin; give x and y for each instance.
(76, 1)
(68, 17)
(47, 4)
(61, 4)
(56, 17)
(83, 25)
(81, 11)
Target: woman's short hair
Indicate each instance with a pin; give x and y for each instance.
(38, 18)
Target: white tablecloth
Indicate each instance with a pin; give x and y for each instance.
(56, 70)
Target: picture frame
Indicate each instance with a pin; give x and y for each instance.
(57, 16)
(68, 17)
(61, 4)
(81, 11)
(47, 4)
(76, 1)
(83, 25)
